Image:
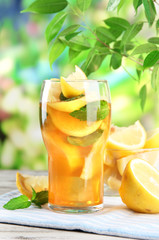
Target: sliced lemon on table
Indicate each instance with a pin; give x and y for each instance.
(152, 139)
(72, 126)
(25, 183)
(75, 87)
(139, 188)
(128, 138)
(150, 156)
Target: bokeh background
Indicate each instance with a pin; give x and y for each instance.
(24, 65)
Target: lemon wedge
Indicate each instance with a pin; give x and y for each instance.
(75, 87)
(129, 138)
(25, 183)
(72, 126)
(69, 106)
(152, 139)
(139, 188)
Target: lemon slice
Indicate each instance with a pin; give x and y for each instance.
(129, 138)
(150, 156)
(152, 139)
(139, 188)
(52, 90)
(25, 183)
(75, 86)
(72, 126)
(69, 106)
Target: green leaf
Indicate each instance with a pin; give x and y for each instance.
(131, 32)
(150, 10)
(83, 5)
(155, 77)
(72, 35)
(144, 48)
(112, 5)
(86, 140)
(93, 61)
(41, 198)
(56, 50)
(102, 50)
(73, 54)
(122, 2)
(138, 72)
(117, 23)
(78, 43)
(33, 194)
(99, 110)
(115, 61)
(136, 4)
(46, 6)
(157, 26)
(18, 203)
(69, 30)
(154, 40)
(105, 35)
(151, 59)
(143, 95)
(55, 26)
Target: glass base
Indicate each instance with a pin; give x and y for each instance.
(62, 209)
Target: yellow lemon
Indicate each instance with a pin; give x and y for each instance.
(52, 90)
(25, 183)
(69, 106)
(128, 138)
(152, 139)
(139, 188)
(72, 126)
(75, 86)
(151, 156)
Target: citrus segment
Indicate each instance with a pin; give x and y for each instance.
(151, 156)
(72, 126)
(69, 91)
(25, 183)
(69, 106)
(132, 137)
(75, 87)
(152, 139)
(139, 188)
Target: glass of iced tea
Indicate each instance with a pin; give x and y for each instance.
(75, 122)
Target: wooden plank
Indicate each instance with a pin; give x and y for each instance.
(10, 231)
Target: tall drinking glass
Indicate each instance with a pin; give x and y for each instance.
(75, 131)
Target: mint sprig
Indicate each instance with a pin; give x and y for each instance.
(93, 111)
(23, 201)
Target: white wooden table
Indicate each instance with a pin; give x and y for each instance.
(10, 231)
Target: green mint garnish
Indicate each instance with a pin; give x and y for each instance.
(63, 98)
(23, 201)
(93, 111)
(18, 203)
(86, 140)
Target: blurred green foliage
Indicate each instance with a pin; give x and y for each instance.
(24, 65)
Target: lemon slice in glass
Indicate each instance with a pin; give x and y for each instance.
(72, 86)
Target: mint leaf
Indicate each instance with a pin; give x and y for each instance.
(57, 48)
(33, 194)
(151, 59)
(63, 98)
(83, 5)
(144, 48)
(97, 111)
(86, 140)
(18, 203)
(41, 198)
(142, 95)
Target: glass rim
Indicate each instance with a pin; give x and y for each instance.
(79, 80)
(137, 150)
